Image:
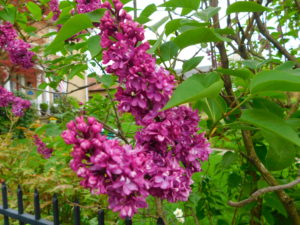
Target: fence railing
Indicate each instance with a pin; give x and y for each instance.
(36, 219)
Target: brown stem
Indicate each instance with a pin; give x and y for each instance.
(160, 210)
(223, 56)
(262, 191)
(284, 198)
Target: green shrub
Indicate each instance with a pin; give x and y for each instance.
(43, 108)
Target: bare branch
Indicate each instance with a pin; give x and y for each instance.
(56, 92)
(262, 191)
(263, 30)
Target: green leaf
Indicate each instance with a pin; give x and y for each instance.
(270, 106)
(272, 200)
(155, 27)
(74, 25)
(190, 4)
(94, 46)
(35, 10)
(289, 65)
(207, 13)
(191, 63)
(77, 70)
(271, 123)
(281, 153)
(168, 50)
(196, 87)
(148, 11)
(175, 24)
(8, 14)
(241, 73)
(245, 6)
(252, 64)
(108, 80)
(196, 36)
(228, 159)
(213, 107)
(96, 15)
(275, 80)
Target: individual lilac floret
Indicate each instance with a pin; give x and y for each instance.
(54, 6)
(19, 53)
(7, 34)
(42, 148)
(84, 6)
(17, 104)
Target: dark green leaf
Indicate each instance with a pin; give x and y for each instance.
(272, 123)
(245, 6)
(281, 153)
(96, 15)
(213, 107)
(190, 4)
(176, 24)
(196, 87)
(234, 180)
(74, 25)
(168, 50)
(148, 11)
(242, 73)
(191, 63)
(196, 36)
(94, 46)
(35, 10)
(228, 159)
(8, 14)
(270, 106)
(275, 80)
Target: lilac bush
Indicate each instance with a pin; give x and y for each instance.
(17, 104)
(16, 48)
(169, 147)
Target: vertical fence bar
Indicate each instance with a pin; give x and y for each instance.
(101, 217)
(5, 201)
(37, 208)
(20, 202)
(76, 212)
(160, 221)
(128, 221)
(55, 210)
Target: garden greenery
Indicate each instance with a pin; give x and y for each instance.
(248, 134)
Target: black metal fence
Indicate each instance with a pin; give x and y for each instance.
(36, 219)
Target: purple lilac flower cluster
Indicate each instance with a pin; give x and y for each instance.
(42, 148)
(145, 88)
(17, 48)
(84, 6)
(54, 7)
(107, 167)
(168, 148)
(18, 105)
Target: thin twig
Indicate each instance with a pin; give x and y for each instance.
(262, 191)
